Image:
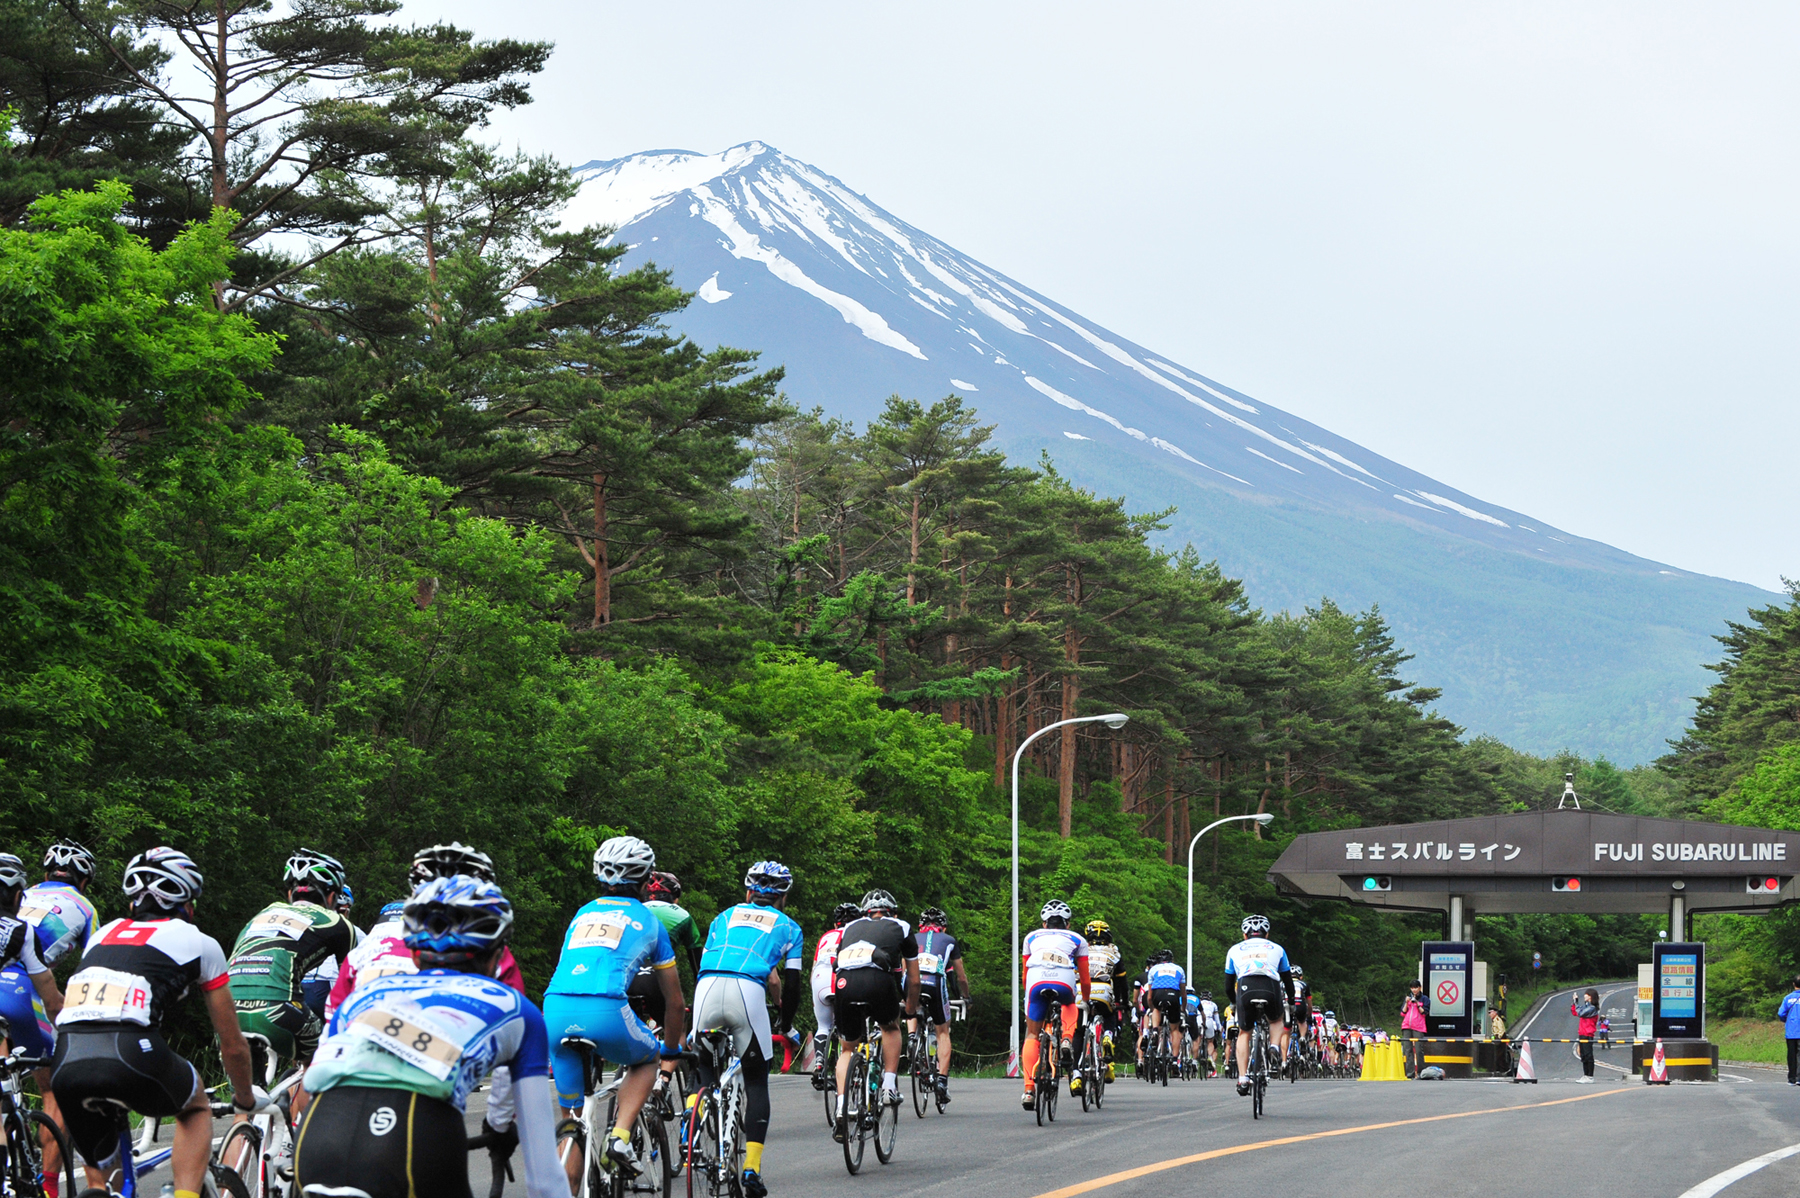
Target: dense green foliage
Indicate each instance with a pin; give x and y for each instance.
(443, 534)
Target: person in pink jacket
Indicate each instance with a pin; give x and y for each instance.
(1586, 1009)
(1412, 1028)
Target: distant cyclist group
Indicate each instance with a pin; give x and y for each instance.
(382, 1036)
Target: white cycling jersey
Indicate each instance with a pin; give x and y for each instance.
(1256, 957)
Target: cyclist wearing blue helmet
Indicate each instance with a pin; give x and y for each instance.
(394, 1073)
(751, 949)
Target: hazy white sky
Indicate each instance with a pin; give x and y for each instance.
(1545, 253)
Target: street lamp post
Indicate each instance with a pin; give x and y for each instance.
(1264, 818)
(1113, 720)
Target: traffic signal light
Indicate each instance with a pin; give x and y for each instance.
(1763, 885)
(1378, 882)
(1565, 885)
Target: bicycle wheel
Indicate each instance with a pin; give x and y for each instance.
(65, 1153)
(920, 1068)
(240, 1152)
(650, 1137)
(856, 1090)
(693, 1157)
(887, 1129)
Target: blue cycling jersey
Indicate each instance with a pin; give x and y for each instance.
(436, 1033)
(61, 916)
(751, 940)
(608, 941)
(1167, 976)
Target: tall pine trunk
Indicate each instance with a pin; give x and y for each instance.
(602, 561)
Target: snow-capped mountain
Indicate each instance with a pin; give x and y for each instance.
(1538, 635)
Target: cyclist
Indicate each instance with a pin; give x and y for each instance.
(276, 950)
(874, 953)
(752, 949)
(1190, 1021)
(110, 1046)
(382, 952)
(1299, 999)
(1141, 1006)
(1109, 982)
(1257, 974)
(60, 916)
(824, 969)
(940, 955)
(1056, 971)
(403, 1053)
(608, 941)
(1210, 1028)
(1168, 997)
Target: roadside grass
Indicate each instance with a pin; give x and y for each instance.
(1759, 1041)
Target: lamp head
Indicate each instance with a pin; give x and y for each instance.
(1116, 720)
(1267, 817)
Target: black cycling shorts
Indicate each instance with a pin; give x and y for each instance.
(864, 995)
(931, 1005)
(1259, 995)
(1168, 1002)
(645, 994)
(383, 1143)
(136, 1067)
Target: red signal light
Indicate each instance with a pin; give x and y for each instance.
(1565, 885)
(1763, 885)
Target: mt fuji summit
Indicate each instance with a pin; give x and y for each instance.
(1537, 636)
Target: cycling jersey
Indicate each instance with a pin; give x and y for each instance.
(883, 943)
(61, 917)
(133, 971)
(684, 933)
(1256, 957)
(825, 961)
(1103, 968)
(1051, 955)
(1167, 975)
(752, 940)
(280, 945)
(938, 949)
(608, 941)
(20, 1004)
(18, 947)
(1209, 1011)
(435, 1033)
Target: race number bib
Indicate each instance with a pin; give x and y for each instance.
(598, 929)
(35, 915)
(763, 919)
(1049, 958)
(98, 995)
(930, 963)
(856, 956)
(412, 1036)
(386, 967)
(290, 924)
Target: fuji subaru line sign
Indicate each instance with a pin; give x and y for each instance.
(1546, 861)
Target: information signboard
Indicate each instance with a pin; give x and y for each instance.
(1678, 974)
(1448, 967)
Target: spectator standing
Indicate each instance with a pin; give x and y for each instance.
(1412, 1027)
(1586, 1008)
(1789, 1013)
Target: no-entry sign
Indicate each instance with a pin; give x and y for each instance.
(1448, 967)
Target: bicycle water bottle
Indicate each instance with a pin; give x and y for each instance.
(168, 1190)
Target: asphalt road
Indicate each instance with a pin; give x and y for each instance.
(1551, 1019)
(1344, 1139)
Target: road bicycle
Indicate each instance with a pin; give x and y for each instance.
(261, 1150)
(865, 1116)
(138, 1160)
(826, 1081)
(921, 1062)
(1092, 1069)
(1045, 1079)
(586, 1136)
(1258, 1070)
(22, 1171)
(713, 1157)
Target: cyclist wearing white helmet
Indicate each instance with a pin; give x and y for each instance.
(1056, 970)
(752, 950)
(393, 1076)
(877, 958)
(608, 941)
(1257, 976)
(110, 1047)
(60, 917)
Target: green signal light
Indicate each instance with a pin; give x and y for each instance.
(1378, 883)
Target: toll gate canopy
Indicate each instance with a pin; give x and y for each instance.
(1550, 861)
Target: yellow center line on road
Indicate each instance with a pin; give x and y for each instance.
(1111, 1179)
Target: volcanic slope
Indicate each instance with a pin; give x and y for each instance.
(1537, 636)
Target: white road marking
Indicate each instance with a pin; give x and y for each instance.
(1736, 1173)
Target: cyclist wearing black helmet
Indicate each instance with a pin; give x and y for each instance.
(824, 969)
(940, 962)
(875, 954)
(277, 949)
